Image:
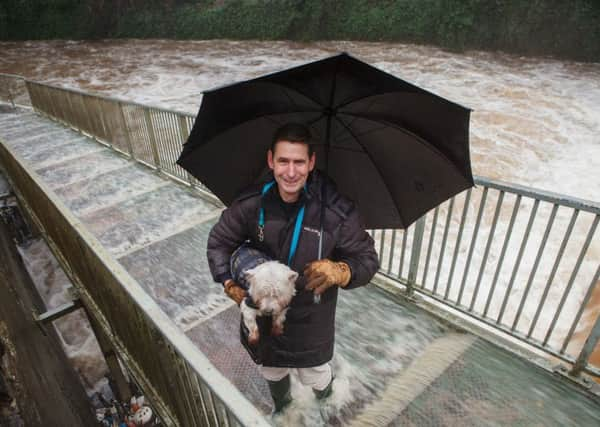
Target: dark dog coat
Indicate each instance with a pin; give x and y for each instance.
(243, 259)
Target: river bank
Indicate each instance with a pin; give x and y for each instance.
(569, 30)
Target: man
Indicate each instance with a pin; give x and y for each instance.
(266, 216)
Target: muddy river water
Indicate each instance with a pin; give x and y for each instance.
(535, 122)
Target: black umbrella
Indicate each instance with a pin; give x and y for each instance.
(395, 149)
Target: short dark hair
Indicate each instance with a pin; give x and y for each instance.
(293, 132)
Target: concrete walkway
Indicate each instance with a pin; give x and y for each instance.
(394, 364)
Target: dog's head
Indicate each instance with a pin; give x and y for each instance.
(271, 286)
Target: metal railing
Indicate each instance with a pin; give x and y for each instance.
(517, 259)
(150, 135)
(522, 261)
(182, 384)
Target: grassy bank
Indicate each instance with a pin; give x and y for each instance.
(568, 29)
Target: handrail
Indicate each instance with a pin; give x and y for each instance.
(108, 98)
(182, 384)
(542, 195)
(150, 135)
(137, 325)
(502, 281)
(514, 241)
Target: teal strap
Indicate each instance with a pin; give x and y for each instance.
(296, 236)
(297, 226)
(261, 215)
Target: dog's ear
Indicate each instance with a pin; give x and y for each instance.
(293, 276)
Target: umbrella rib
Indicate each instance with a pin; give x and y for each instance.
(317, 119)
(357, 117)
(286, 89)
(353, 134)
(345, 104)
(289, 97)
(362, 115)
(417, 90)
(373, 161)
(407, 132)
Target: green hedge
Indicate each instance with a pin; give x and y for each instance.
(569, 29)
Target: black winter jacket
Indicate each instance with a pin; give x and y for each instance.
(309, 333)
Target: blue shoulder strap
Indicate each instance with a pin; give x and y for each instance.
(261, 215)
(296, 235)
(297, 226)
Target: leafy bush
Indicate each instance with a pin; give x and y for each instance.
(541, 27)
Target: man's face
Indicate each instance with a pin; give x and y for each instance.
(291, 165)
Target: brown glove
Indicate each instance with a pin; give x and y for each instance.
(325, 273)
(234, 291)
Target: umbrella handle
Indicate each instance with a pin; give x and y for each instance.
(317, 298)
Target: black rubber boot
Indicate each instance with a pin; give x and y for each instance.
(326, 392)
(280, 392)
(328, 408)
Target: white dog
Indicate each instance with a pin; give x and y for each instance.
(271, 286)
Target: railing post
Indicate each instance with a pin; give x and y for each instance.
(415, 255)
(28, 87)
(153, 146)
(73, 123)
(91, 115)
(126, 131)
(122, 391)
(588, 348)
(184, 133)
(10, 96)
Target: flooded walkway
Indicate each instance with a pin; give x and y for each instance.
(394, 363)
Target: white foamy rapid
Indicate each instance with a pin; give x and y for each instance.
(74, 330)
(535, 121)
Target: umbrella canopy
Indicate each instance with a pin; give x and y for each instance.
(395, 149)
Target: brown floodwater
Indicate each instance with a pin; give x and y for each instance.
(535, 121)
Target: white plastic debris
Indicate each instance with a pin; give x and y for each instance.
(142, 416)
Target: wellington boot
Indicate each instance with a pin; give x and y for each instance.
(326, 392)
(328, 407)
(280, 392)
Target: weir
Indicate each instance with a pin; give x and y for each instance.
(422, 345)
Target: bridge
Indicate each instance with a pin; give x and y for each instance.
(479, 315)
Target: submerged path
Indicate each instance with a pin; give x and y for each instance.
(394, 363)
